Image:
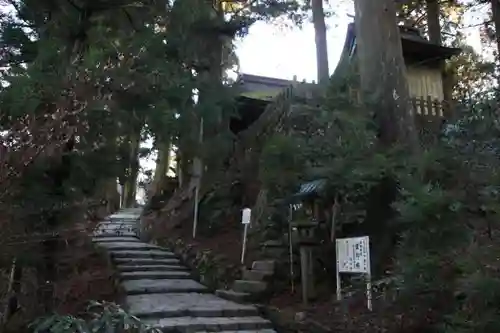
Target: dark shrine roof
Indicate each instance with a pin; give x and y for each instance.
(416, 49)
(414, 45)
(306, 191)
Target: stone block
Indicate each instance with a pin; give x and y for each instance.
(196, 324)
(146, 253)
(234, 296)
(145, 261)
(146, 268)
(124, 246)
(264, 265)
(186, 304)
(114, 239)
(252, 287)
(145, 286)
(154, 275)
(255, 275)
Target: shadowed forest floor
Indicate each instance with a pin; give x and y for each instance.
(84, 274)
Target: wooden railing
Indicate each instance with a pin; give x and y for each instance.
(429, 114)
(427, 107)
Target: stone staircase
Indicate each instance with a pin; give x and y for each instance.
(254, 283)
(161, 292)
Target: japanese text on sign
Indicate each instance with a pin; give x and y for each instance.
(353, 255)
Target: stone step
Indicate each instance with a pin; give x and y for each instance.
(185, 305)
(276, 243)
(114, 230)
(265, 330)
(118, 222)
(264, 265)
(147, 268)
(160, 254)
(146, 286)
(256, 275)
(114, 239)
(124, 216)
(214, 324)
(234, 296)
(146, 261)
(154, 275)
(115, 233)
(130, 246)
(134, 223)
(114, 223)
(121, 221)
(252, 287)
(117, 228)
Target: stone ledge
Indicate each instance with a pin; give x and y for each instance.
(135, 287)
(213, 324)
(150, 267)
(185, 305)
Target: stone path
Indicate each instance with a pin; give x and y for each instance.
(160, 290)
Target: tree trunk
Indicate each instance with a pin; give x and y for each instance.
(384, 89)
(162, 167)
(434, 31)
(433, 25)
(46, 270)
(133, 170)
(111, 196)
(318, 14)
(495, 10)
(184, 165)
(382, 71)
(178, 168)
(13, 292)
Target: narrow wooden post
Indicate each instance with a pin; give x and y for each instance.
(304, 264)
(429, 104)
(198, 171)
(310, 272)
(413, 107)
(290, 244)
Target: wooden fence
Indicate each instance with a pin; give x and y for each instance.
(430, 114)
(423, 106)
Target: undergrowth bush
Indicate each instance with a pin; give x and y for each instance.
(99, 317)
(448, 254)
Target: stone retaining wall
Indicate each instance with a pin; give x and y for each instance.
(208, 266)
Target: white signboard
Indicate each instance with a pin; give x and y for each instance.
(245, 220)
(245, 216)
(353, 255)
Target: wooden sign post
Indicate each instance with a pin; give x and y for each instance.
(245, 220)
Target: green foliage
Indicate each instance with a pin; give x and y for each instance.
(100, 317)
(445, 213)
(281, 164)
(337, 144)
(472, 75)
(447, 252)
